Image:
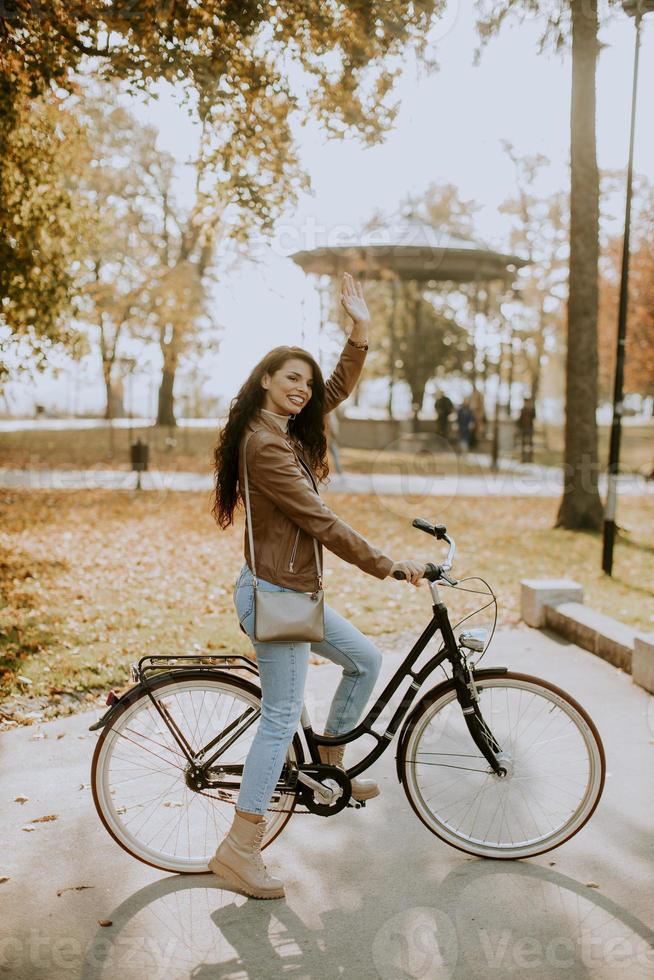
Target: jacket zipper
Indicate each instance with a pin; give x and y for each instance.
(297, 538)
(305, 467)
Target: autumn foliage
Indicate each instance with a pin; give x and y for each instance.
(639, 348)
(244, 70)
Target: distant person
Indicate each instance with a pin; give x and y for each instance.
(526, 421)
(465, 419)
(444, 408)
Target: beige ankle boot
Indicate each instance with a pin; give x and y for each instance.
(362, 789)
(238, 862)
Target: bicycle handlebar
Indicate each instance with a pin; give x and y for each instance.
(434, 572)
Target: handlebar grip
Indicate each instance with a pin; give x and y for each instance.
(438, 530)
(432, 572)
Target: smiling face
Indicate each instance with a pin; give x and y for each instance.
(289, 388)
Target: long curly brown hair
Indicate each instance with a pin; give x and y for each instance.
(307, 427)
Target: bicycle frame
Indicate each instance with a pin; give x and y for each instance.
(464, 685)
(209, 705)
(462, 677)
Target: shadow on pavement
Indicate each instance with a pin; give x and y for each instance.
(486, 917)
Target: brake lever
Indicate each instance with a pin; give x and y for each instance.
(442, 574)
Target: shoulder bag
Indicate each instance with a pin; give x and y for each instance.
(281, 616)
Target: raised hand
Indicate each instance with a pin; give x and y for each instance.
(352, 299)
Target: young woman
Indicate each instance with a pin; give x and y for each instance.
(281, 407)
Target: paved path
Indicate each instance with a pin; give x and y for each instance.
(370, 894)
(526, 481)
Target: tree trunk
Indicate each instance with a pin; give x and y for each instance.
(389, 405)
(509, 396)
(418, 397)
(581, 507)
(114, 406)
(418, 390)
(166, 406)
(537, 367)
(115, 399)
(110, 402)
(391, 347)
(473, 334)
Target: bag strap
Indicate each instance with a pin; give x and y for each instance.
(249, 521)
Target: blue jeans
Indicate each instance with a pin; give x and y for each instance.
(283, 673)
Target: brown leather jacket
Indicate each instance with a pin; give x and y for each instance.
(287, 511)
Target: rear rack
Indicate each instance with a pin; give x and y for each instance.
(152, 665)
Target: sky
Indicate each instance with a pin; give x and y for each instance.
(449, 130)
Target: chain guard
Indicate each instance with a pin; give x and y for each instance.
(304, 794)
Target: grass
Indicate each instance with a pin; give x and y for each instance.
(93, 580)
(192, 451)
(170, 449)
(636, 447)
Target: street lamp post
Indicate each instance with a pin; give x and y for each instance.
(636, 9)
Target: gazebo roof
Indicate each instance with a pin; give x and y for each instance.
(411, 251)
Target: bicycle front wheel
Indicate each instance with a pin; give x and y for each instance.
(140, 776)
(550, 751)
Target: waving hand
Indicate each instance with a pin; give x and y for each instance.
(352, 299)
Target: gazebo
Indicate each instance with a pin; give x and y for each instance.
(413, 251)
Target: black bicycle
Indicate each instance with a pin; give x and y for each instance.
(495, 763)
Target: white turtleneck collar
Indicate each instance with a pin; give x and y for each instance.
(281, 420)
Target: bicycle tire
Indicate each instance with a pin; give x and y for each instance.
(576, 741)
(113, 806)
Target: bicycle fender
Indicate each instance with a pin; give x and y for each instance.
(138, 689)
(428, 698)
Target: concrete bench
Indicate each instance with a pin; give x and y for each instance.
(536, 594)
(602, 635)
(642, 664)
(557, 604)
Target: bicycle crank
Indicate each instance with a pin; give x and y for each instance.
(323, 789)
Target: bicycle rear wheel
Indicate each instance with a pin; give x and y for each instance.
(550, 749)
(140, 776)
